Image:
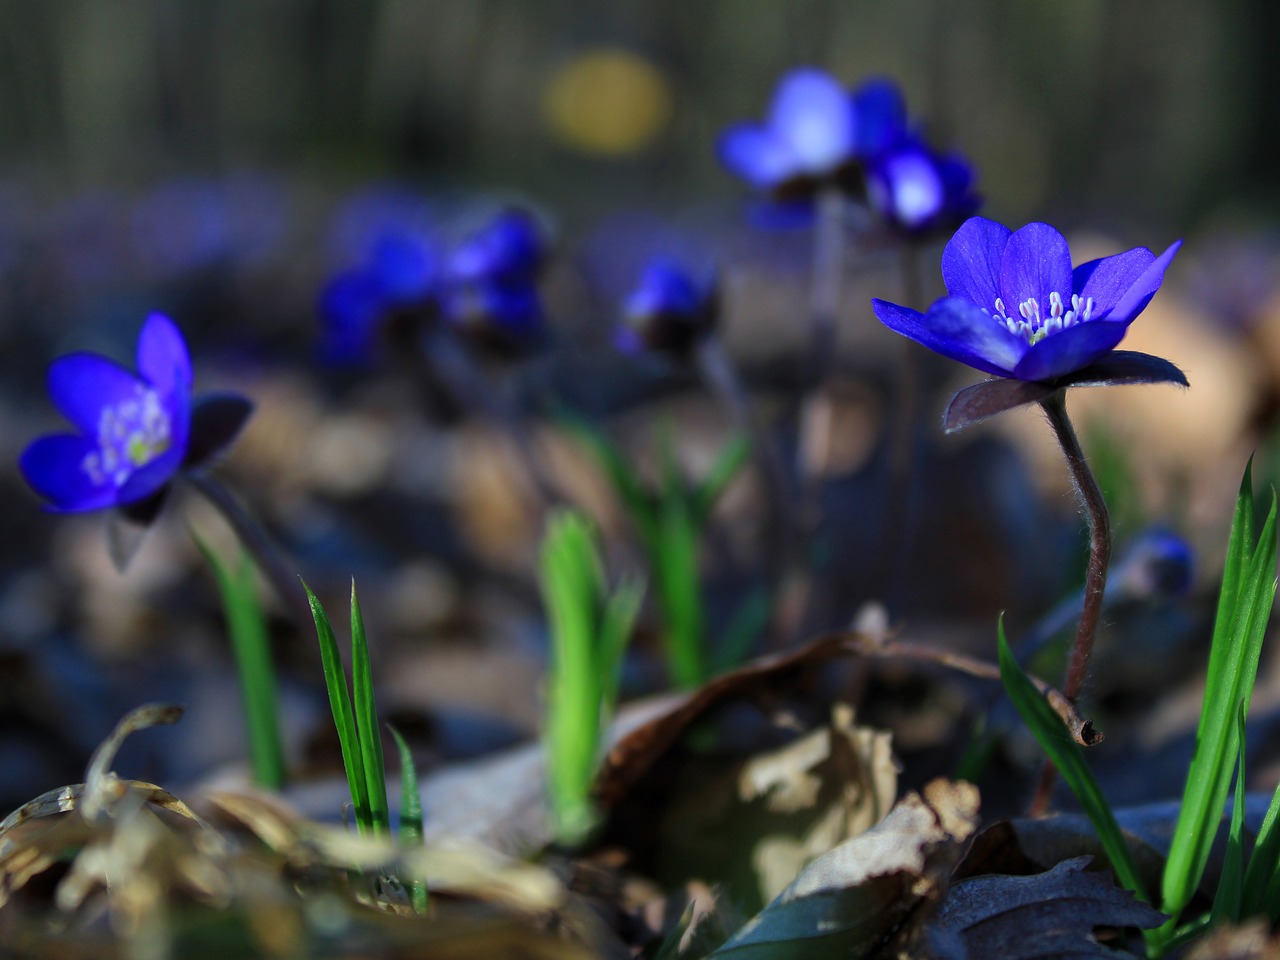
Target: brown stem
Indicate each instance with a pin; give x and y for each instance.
(1095, 581)
(1082, 730)
(254, 539)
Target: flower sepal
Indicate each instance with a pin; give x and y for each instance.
(216, 422)
(1116, 369)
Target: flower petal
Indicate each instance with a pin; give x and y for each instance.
(150, 477)
(812, 115)
(51, 465)
(1035, 263)
(1124, 367)
(82, 384)
(957, 329)
(1136, 298)
(1106, 280)
(971, 261)
(162, 356)
(1068, 350)
(906, 187)
(879, 116)
(755, 155)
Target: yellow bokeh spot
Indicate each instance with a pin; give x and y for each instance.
(607, 101)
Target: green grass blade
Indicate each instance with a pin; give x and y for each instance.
(1053, 738)
(1233, 666)
(1264, 861)
(616, 624)
(679, 593)
(1229, 898)
(746, 625)
(570, 590)
(732, 458)
(343, 719)
(368, 731)
(637, 502)
(252, 651)
(411, 832)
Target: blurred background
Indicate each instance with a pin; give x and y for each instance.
(207, 159)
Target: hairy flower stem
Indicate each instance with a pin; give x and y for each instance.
(721, 378)
(254, 539)
(815, 412)
(450, 361)
(896, 534)
(1095, 583)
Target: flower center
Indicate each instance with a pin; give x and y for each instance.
(1033, 327)
(130, 435)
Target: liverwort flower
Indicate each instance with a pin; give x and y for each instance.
(136, 431)
(669, 311)
(816, 132)
(1016, 309)
(489, 287)
(914, 188)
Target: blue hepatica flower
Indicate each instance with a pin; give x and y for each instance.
(1015, 307)
(669, 311)
(490, 279)
(136, 430)
(815, 132)
(914, 188)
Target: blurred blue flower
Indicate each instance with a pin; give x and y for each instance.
(914, 188)
(1015, 308)
(397, 266)
(136, 430)
(669, 310)
(815, 132)
(1159, 563)
(489, 285)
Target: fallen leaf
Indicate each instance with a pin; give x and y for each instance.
(1049, 914)
(871, 893)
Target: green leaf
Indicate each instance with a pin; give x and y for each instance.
(1228, 900)
(1264, 862)
(1244, 607)
(343, 719)
(1046, 726)
(679, 593)
(367, 728)
(637, 502)
(743, 630)
(411, 833)
(252, 652)
(732, 458)
(616, 624)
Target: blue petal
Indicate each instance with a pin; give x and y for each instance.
(404, 265)
(1136, 298)
(509, 248)
(959, 330)
(162, 356)
(665, 287)
(149, 478)
(82, 384)
(907, 188)
(1035, 263)
(971, 261)
(755, 155)
(880, 116)
(51, 465)
(812, 115)
(1070, 349)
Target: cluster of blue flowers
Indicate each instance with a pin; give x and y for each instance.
(1015, 306)
(485, 285)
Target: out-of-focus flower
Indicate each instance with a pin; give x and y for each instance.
(1015, 307)
(914, 188)
(397, 266)
(669, 310)
(489, 285)
(136, 430)
(1159, 563)
(816, 132)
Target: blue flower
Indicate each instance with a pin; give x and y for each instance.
(914, 188)
(136, 430)
(489, 287)
(669, 310)
(1015, 308)
(815, 132)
